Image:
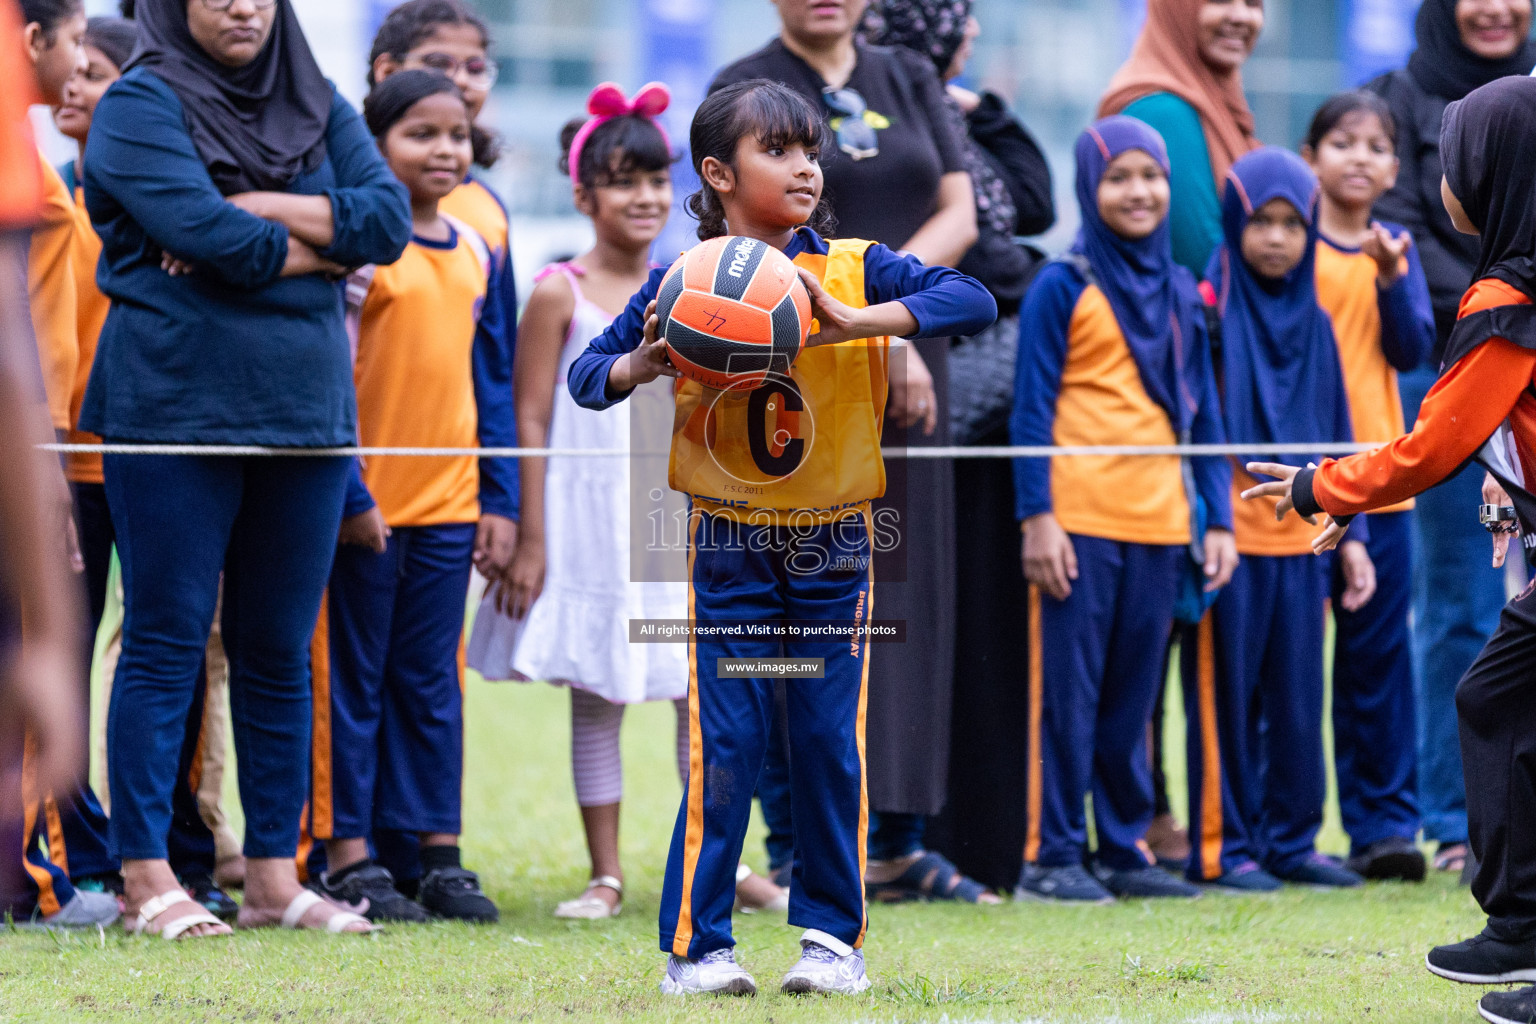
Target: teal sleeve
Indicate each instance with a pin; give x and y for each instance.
(1195, 212)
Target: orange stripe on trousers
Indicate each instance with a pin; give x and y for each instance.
(863, 836)
(320, 809)
(693, 831)
(1210, 753)
(1036, 782)
(47, 899)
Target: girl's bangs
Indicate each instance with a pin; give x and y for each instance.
(780, 117)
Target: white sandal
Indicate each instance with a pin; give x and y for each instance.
(339, 922)
(591, 907)
(177, 928)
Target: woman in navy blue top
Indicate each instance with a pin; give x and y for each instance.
(231, 187)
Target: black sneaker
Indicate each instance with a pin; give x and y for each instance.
(1244, 880)
(216, 901)
(1484, 960)
(369, 890)
(454, 893)
(1070, 884)
(1517, 1007)
(1146, 883)
(1394, 858)
(1320, 871)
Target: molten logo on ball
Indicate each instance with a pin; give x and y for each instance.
(732, 311)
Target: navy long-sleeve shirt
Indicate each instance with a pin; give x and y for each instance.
(945, 303)
(232, 353)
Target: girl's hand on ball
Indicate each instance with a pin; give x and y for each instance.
(838, 322)
(645, 363)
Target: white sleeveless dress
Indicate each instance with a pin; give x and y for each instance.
(577, 632)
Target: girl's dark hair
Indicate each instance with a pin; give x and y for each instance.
(50, 14)
(1337, 107)
(114, 37)
(637, 140)
(412, 23)
(772, 113)
(388, 101)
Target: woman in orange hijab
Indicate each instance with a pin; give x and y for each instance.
(1184, 78)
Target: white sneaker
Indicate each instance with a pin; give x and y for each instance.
(715, 973)
(85, 910)
(827, 964)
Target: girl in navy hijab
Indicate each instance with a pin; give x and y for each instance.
(1112, 350)
(1254, 667)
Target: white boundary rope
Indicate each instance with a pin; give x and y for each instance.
(953, 452)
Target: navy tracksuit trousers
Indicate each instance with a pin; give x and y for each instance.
(1095, 668)
(741, 573)
(1253, 690)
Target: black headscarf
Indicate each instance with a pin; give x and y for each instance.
(934, 28)
(1488, 149)
(257, 127)
(1442, 64)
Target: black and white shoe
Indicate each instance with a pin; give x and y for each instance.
(454, 894)
(1484, 960)
(1515, 1007)
(368, 889)
(1145, 883)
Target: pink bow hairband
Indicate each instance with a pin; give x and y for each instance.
(608, 102)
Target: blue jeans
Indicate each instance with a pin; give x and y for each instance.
(270, 525)
(1457, 597)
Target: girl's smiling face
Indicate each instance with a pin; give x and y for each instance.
(428, 148)
(1133, 195)
(628, 207)
(1356, 161)
(82, 92)
(1275, 239)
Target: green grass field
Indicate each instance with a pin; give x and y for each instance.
(1305, 956)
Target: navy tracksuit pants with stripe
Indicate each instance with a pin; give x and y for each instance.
(389, 728)
(1095, 667)
(741, 573)
(1253, 690)
(1374, 723)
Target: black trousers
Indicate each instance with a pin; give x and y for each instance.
(1496, 711)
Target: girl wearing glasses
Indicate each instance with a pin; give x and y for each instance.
(231, 187)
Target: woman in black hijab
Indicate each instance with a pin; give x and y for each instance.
(1462, 44)
(231, 187)
(1481, 407)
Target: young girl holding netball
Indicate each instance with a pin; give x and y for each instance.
(795, 544)
(561, 612)
(388, 743)
(1370, 283)
(1253, 669)
(1113, 349)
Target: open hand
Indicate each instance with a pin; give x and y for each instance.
(1050, 562)
(1388, 251)
(1493, 494)
(366, 529)
(1359, 576)
(1278, 488)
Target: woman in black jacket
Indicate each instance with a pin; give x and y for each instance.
(1462, 45)
(982, 826)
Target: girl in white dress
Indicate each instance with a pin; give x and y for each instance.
(562, 611)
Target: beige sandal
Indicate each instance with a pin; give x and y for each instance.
(591, 907)
(173, 930)
(338, 923)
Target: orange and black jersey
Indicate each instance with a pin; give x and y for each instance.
(1483, 405)
(427, 340)
(1077, 383)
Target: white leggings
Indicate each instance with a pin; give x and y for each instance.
(595, 761)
